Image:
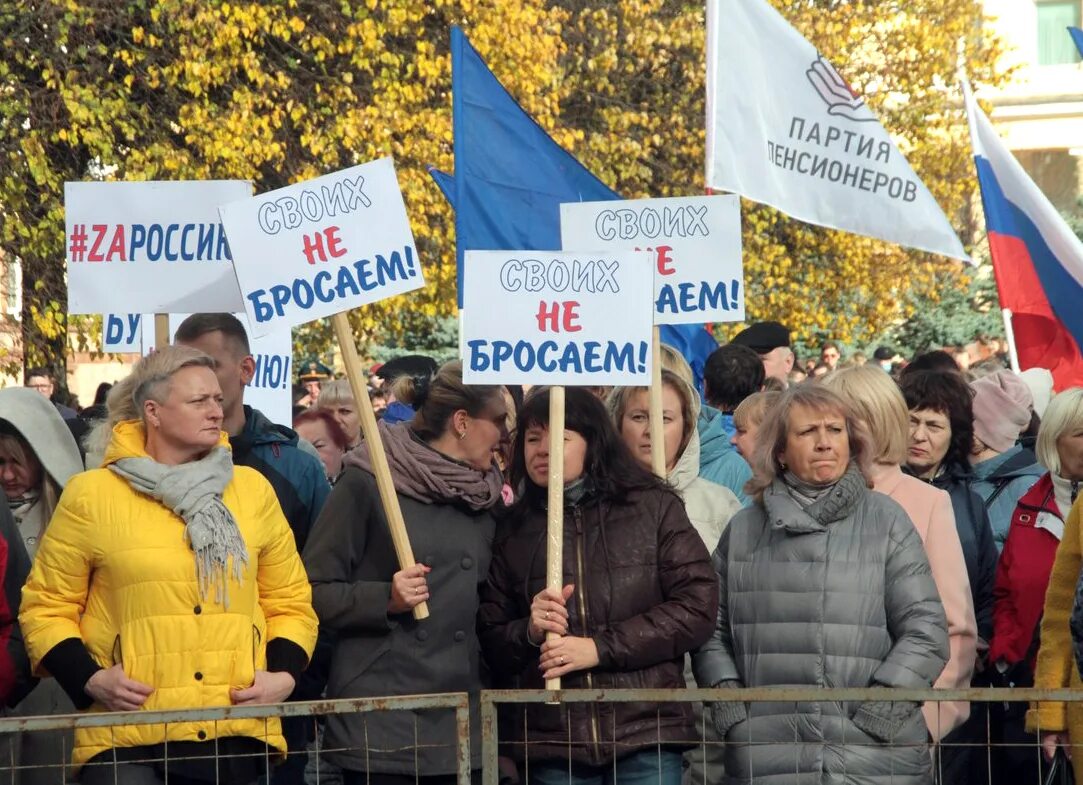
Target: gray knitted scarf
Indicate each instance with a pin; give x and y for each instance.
(194, 492)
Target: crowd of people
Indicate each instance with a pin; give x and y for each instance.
(853, 524)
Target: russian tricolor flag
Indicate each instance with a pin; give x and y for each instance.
(1037, 258)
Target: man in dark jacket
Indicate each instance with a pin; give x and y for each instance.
(298, 478)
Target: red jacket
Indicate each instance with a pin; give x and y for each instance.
(1023, 576)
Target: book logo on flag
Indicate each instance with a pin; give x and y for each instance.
(841, 99)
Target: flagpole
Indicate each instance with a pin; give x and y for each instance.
(1009, 334)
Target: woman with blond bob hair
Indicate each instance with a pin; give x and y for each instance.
(709, 505)
(816, 531)
(880, 407)
(168, 579)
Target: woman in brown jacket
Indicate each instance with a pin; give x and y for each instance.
(639, 591)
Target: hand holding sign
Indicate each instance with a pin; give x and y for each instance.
(564, 318)
(320, 248)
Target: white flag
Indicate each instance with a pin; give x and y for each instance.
(784, 129)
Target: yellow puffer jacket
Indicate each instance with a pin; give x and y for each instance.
(1056, 668)
(114, 569)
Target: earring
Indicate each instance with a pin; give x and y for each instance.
(462, 434)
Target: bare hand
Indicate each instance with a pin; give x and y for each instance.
(408, 589)
(549, 613)
(1050, 742)
(115, 691)
(267, 687)
(566, 655)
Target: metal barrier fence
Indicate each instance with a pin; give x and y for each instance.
(492, 703)
(495, 703)
(57, 770)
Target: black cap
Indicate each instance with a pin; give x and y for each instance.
(883, 353)
(762, 337)
(407, 365)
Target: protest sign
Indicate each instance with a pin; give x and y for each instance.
(149, 246)
(271, 388)
(551, 317)
(121, 332)
(696, 242)
(322, 246)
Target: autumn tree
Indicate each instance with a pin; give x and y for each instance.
(274, 92)
(277, 91)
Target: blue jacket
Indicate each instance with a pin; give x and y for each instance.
(1005, 479)
(719, 460)
(298, 479)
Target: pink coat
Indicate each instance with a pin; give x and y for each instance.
(930, 510)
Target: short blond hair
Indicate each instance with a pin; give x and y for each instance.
(879, 404)
(334, 393)
(752, 409)
(1064, 413)
(148, 381)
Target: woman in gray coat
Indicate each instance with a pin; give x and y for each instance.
(447, 484)
(823, 583)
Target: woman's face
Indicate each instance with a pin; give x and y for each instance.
(485, 433)
(817, 445)
(744, 438)
(930, 437)
(345, 414)
(1070, 451)
(536, 455)
(19, 474)
(635, 426)
(317, 434)
(190, 417)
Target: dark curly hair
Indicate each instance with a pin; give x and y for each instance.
(609, 465)
(948, 393)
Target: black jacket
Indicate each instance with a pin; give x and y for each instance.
(645, 592)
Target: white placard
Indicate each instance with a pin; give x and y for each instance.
(696, 243)
(121, 332)
(150, 246)
(323, 246)
(271, 389)
(552, 317)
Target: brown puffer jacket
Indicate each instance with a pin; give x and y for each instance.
(645, 591)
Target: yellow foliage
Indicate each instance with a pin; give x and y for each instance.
(277, 91)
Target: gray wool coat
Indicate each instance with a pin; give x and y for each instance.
(838, 595)
(350, 560)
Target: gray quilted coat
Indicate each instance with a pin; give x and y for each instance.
(835, 595)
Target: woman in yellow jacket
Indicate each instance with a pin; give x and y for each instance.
(1059, 723)
(169, 579)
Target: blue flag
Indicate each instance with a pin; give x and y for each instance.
(446, 183)
(1077, 37)
(510, 176)
(692, 341)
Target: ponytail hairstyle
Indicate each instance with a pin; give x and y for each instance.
(436, 398)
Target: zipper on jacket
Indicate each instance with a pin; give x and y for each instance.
(581, 596)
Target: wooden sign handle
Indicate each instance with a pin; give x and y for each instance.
(658, 436)
(554, 561)
(377, 455)
(161, 330)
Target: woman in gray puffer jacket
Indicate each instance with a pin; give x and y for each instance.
(823, 583)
